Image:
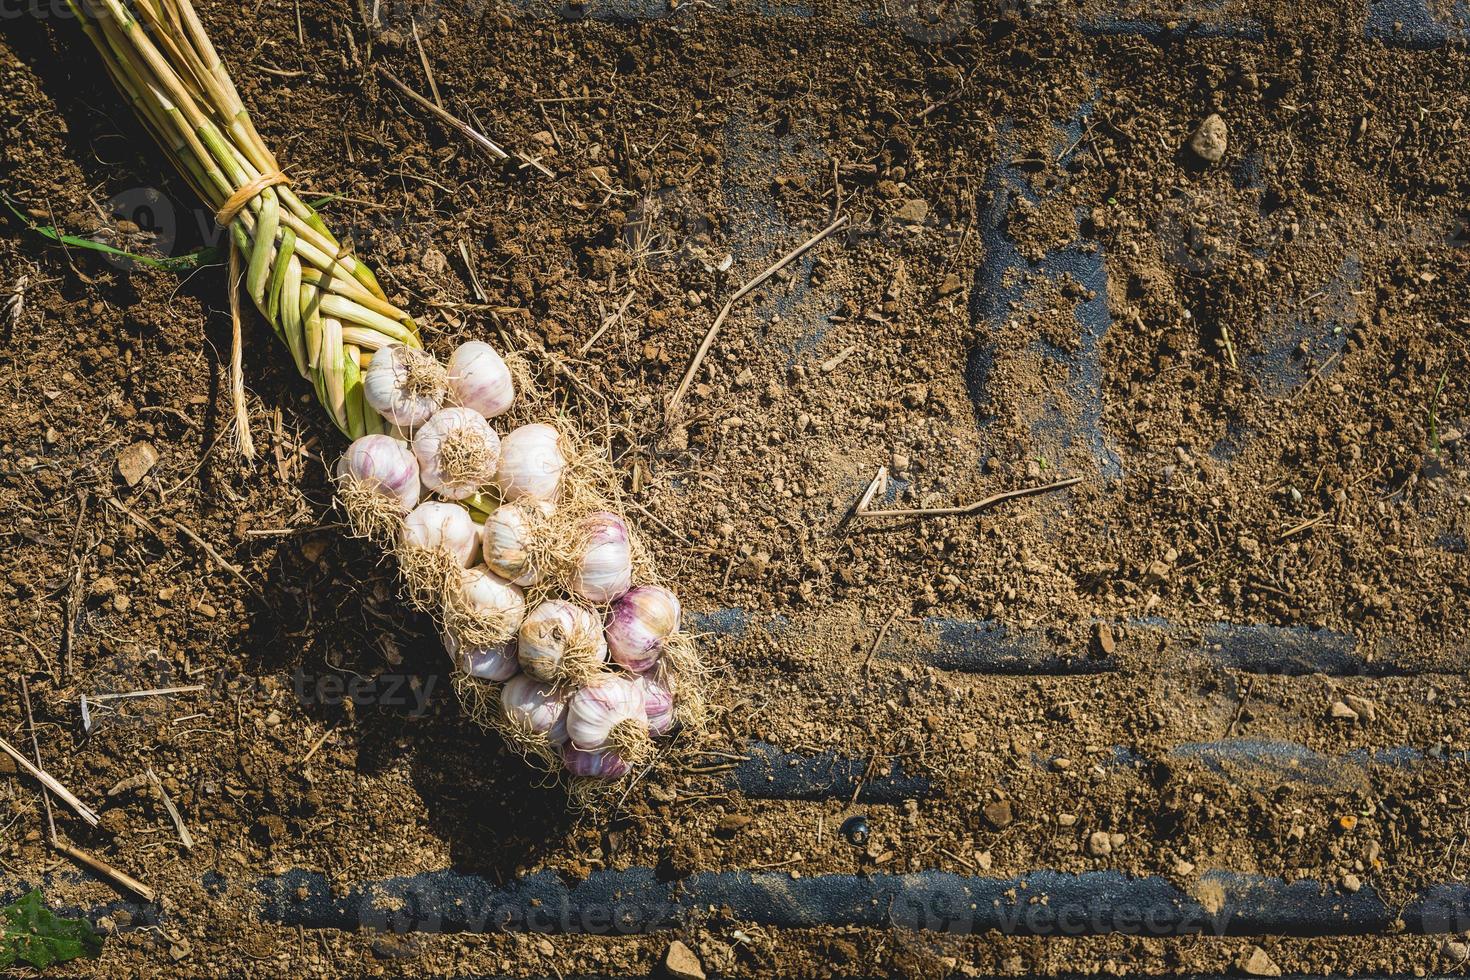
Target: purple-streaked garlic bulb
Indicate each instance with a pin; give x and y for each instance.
(479, 379)
(595, 765)
(639, 623)
(609, 713)
(494, 663)
(378, 481)
(603, 568)
(658, 704)
(509, 536)
(483, 609)
(404, 385)
(437, 526)
(531, 463)
(561, 641)
(534, 709)
(458, 452)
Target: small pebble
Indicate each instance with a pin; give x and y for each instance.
(1210, 139)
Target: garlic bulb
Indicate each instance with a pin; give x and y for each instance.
(404, 385)
(658, 705)
(609, 714)
(483, 609)
(594, 765)
(495, 663)
(378, 481)
(535, 708)
(506, 540)
(603, 568)
(531, 462)
(448, 528)
(458, 452)
(638, 625)
(559, 640)
(479, 379)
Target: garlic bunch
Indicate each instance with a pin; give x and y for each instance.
(483, 609)
(595, 765)
(561, 641)
(535, 710)
(494, 663)
(439, 527)
(609, 714)
(638, 625)
(458, 452)
(531, 463)
(378, 481)
(405, 385)
(480, 380)
(603, 568)
(658, 705)
(508, 539)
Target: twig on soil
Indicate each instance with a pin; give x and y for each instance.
(424, 60)
(50, 782)
(151, 692)
(747, 289)
(317, 745)
(57, 844)
(608, 321)
(205, 546)
(1304, 526)
(878, 640)
(74, 585)
(463, 128)
(974, 508)
(185, 837)
(1229, 346)
(103, 868)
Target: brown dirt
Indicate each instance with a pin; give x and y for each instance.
(714, 133)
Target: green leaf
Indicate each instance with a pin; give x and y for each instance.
(178, 263)
(36, 935)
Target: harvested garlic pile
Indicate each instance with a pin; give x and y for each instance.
(560, 639)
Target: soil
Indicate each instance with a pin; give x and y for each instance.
(1228, 475)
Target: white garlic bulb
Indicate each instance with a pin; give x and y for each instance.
(559, 640)
(494, 663)
(603, 568)
(594, 765)
(507, 539)
(483, 609)
(531, 462)
(479, 379)
(458, 452)
(378, 484)
(608, 714)
(436, 526)
(639, 623)
(535, 708)
(658, 704)
(404, 385)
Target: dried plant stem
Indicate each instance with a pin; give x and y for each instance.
(50, 782)
(974, 508)
(747, 289)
